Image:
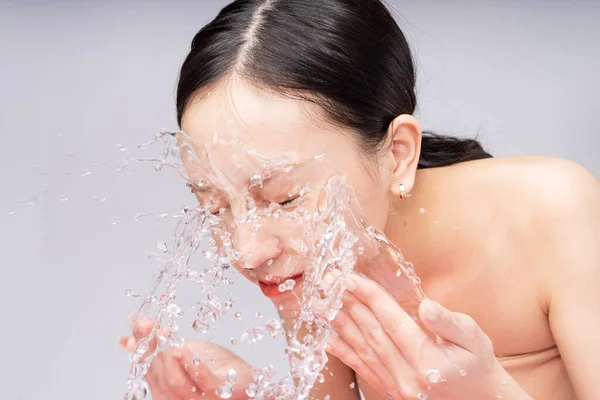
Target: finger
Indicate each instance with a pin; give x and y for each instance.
(198, 372)
(456, 328)
(127, 343)
(378, 339)
(153, 379)
(339, 348)
(179, 383)
(142, 328)
(401, 328)
(353, 336)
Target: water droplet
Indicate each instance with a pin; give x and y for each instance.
(200, 326)
(70, 154)
(399, 272)
(224, 391)
(326, 397)
(256, 180)
(194, 389)
(287, 285)
(162, 246)
(114, 222)
(462, 372)
(232, 341)
(63, 199)
(252, 336)
(30, 202)
(352, 385)
(259, 315)
(422, 210)
(11, 212)
(422, 396)
(251, 389)
(196, 359)
(174, 310)
(238, 315)
(433, 375)
(231, 376)
(59, 135)
(85, 173)
(273, 327)
(268, 277)
(504, 384)
(131, 293)
(270, 262)
(121, 147)
(320, 378)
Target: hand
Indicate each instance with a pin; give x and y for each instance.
(191, 372)
(389, 350)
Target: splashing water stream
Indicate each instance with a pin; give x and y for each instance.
(334, 238)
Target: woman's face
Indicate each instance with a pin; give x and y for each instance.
(261, 151)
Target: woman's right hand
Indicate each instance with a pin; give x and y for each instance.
(191, 372)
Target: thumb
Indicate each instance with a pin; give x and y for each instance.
(198, 371)
(141, 328)
(456, 328)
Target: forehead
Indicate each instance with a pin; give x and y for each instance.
(241, 128)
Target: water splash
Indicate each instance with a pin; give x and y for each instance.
(335, 239)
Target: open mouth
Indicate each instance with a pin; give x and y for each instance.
(271, 288)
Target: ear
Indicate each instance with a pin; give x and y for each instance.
(405, 139)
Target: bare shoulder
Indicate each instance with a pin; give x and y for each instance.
(545, 214)
(554, 188)
(552, 205)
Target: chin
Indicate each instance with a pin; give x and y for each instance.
(289, 301)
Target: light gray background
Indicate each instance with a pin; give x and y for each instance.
(523, 75)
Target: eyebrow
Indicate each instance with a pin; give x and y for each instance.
(203, 186)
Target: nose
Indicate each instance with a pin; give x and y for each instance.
(256, 248)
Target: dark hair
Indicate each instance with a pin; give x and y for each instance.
(348, 56)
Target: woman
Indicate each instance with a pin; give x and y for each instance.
(507, 249)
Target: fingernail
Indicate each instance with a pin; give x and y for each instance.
(326, 282)
(328, 346)
(431, 309)
(351, 283)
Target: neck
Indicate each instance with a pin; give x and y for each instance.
(411, 224)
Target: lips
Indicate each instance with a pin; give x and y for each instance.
(270, 288)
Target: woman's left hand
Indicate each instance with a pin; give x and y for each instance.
(390, 351)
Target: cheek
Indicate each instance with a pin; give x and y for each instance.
(376, 212)
(374, 201)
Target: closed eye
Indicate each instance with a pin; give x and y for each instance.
(288, 202)
(214, 203)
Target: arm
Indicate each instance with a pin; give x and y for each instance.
(574, 279)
